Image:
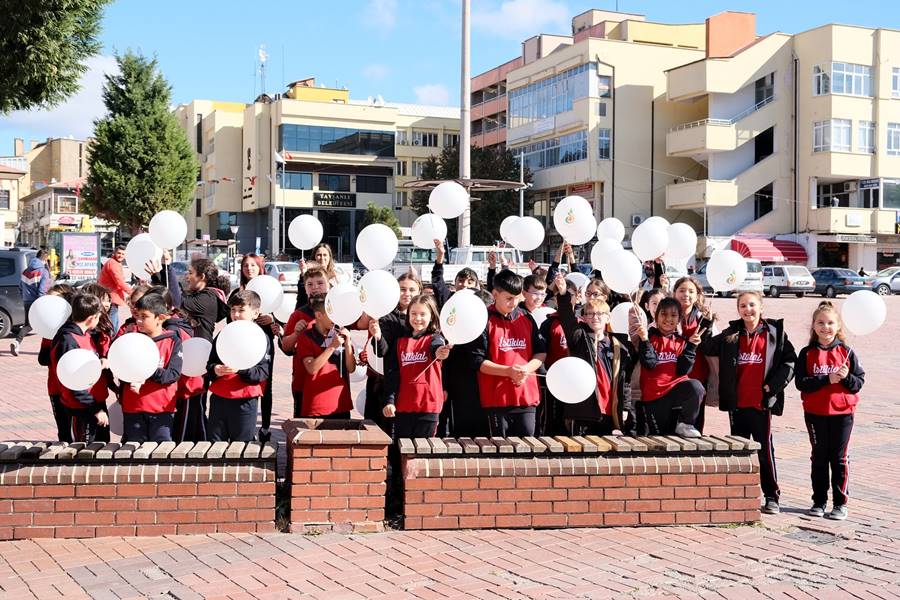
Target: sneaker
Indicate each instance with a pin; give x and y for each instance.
(817, 510)
(838, 513)
(686, 430)
(771, 507)
(264, 436)
(14, 348)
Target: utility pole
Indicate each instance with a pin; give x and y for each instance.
(522, 181)
(465, 138)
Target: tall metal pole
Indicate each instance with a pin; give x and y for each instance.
(522, 181)
(465, 138)
(283, 208)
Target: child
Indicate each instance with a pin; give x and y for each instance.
(137, 292)
(650, 301)
(327, 356)
(234, 395)
(148, 407)
(85, 409)
(102, 333)
(666, 359)
(414, 393)
(696, 316)
(756, 363)
(829, 378)
(63, 427)
(611, 356)
(507, 354)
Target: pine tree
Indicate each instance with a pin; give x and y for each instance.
(43, 46)
(383, 215)
(141, 161)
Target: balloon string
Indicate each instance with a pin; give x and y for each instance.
(428, 366)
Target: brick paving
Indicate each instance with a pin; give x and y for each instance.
(790, 556)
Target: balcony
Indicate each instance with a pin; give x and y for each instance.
(860, 221)
(703, 193)
(708, 136)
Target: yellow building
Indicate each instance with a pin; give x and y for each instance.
(313, 151)
(11, 176)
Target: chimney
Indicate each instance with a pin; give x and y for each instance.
(18, 147)
(728, 32)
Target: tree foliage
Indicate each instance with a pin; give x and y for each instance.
(43, 46)
(488, 208)
(141, 161)
(383, 215)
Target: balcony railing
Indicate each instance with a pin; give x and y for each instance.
(725, 122)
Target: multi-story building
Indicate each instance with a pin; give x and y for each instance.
(489, 105)
(313, 151)
(11, 175)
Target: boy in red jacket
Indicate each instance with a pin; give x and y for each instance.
(327, 355)
(315, 283)
(507, 355)
(148, 407)
(86, 409)
(234, 395)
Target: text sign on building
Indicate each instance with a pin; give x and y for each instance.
(585, 190)
(869, 184)
(855, 239)
(334, 200)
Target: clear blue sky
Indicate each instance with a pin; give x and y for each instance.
(405, 50)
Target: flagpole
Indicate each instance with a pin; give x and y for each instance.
(283, 206)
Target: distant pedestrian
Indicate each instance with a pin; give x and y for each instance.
(34, 283)
(113, 279)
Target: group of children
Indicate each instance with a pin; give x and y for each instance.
(493, 385)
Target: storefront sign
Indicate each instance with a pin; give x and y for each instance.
(585, 190)
(66, 220)
(855, 239)
(869, 184)
(81, 255)
(334, 200)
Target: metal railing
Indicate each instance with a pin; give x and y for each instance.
(725, 122)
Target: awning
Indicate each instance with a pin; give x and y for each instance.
(774, 251)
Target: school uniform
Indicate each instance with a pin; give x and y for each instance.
(190, 399)
(63, 425)
(326, 393)
(613, 359)
(557, 347)
(700, 371)
(234, 399)
(414, 384)
(666, 361)
(149, 414)
(828, 410)
(512, 339)
(298, 371)
(80, 406)
(748, 362)
(393, 327)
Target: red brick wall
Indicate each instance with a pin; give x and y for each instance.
(476, 493)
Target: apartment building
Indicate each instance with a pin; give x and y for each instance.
(11, 175)
(490, 105)
(313, 151)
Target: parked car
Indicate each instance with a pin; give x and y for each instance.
(288, 273)
(895, 283)
(787, 279)
(884, 280)
(752, 282)
(12, 310)
(833, 281)
(474, 257)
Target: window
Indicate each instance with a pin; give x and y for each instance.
(831, 136)
(401, 168)
(67, 205)
(866, 138)
(555, 151)
(417, 167)
(421, 138)
(549, 96)
(296, 181)
(821, 81)
(893, 139)
(199, 133)
(765, 88)
(604, 86)
(847, 78)
(198, 210)
(895, 82)
(402, 137)
(763, 201)
(833, 195)
(605, 144)
(334, 183)
(367, 184)
(7, 267)
(451, 139)
(4, 199)
(401, 199)
(336, 140)
(891, 198)
(868, 198)
(601, 109)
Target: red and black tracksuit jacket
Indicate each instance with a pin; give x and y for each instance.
(666, 361)
(69, 337)
(246, 383)
(187, 386)
(820, 397)
(157, 394)
(413, 382)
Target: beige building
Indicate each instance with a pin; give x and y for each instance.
(313, 151)
(11, 175)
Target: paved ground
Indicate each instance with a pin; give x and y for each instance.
(789, 556)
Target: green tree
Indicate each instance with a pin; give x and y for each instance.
(141, 161)
(488, 208)
(43, 46)
(383, 215)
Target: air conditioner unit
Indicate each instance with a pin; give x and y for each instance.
(416, 142)
(636, 220)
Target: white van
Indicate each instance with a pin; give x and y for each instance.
(753, 282)
(787, 279)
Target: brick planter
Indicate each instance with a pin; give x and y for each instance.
(59, 490)
(578, 482)
(336, 471)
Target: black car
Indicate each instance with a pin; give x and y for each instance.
(833, 281)
(12, 310)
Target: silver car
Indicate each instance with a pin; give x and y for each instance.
(886, 281)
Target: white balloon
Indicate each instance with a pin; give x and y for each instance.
(657, 219)
(359, 374)
(305, 232)
(623, 272)
(270, 292)
(541, 313)
(448, 200)
(133, 357)
(376, 246)
(379, 293)
(612, 228)
(602, 251)
(359, 403)
(506, 228)
(726, 270)
(284, 311)
(574, 219)
(620, 317)
(342, 304)
(47, 314)
(168, 229)
(682, 242)
(463, 318)
(241, 345)
(341, 275)
(78, 369)
(196, 353)
(571, 380)
(426, 229)
(579, 279)
(139, 251)
(116, 419)
(527, 233)
(375, 362)
(650, 240)
(863, 312)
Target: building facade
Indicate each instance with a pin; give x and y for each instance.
(490, 105)
(11, 175)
